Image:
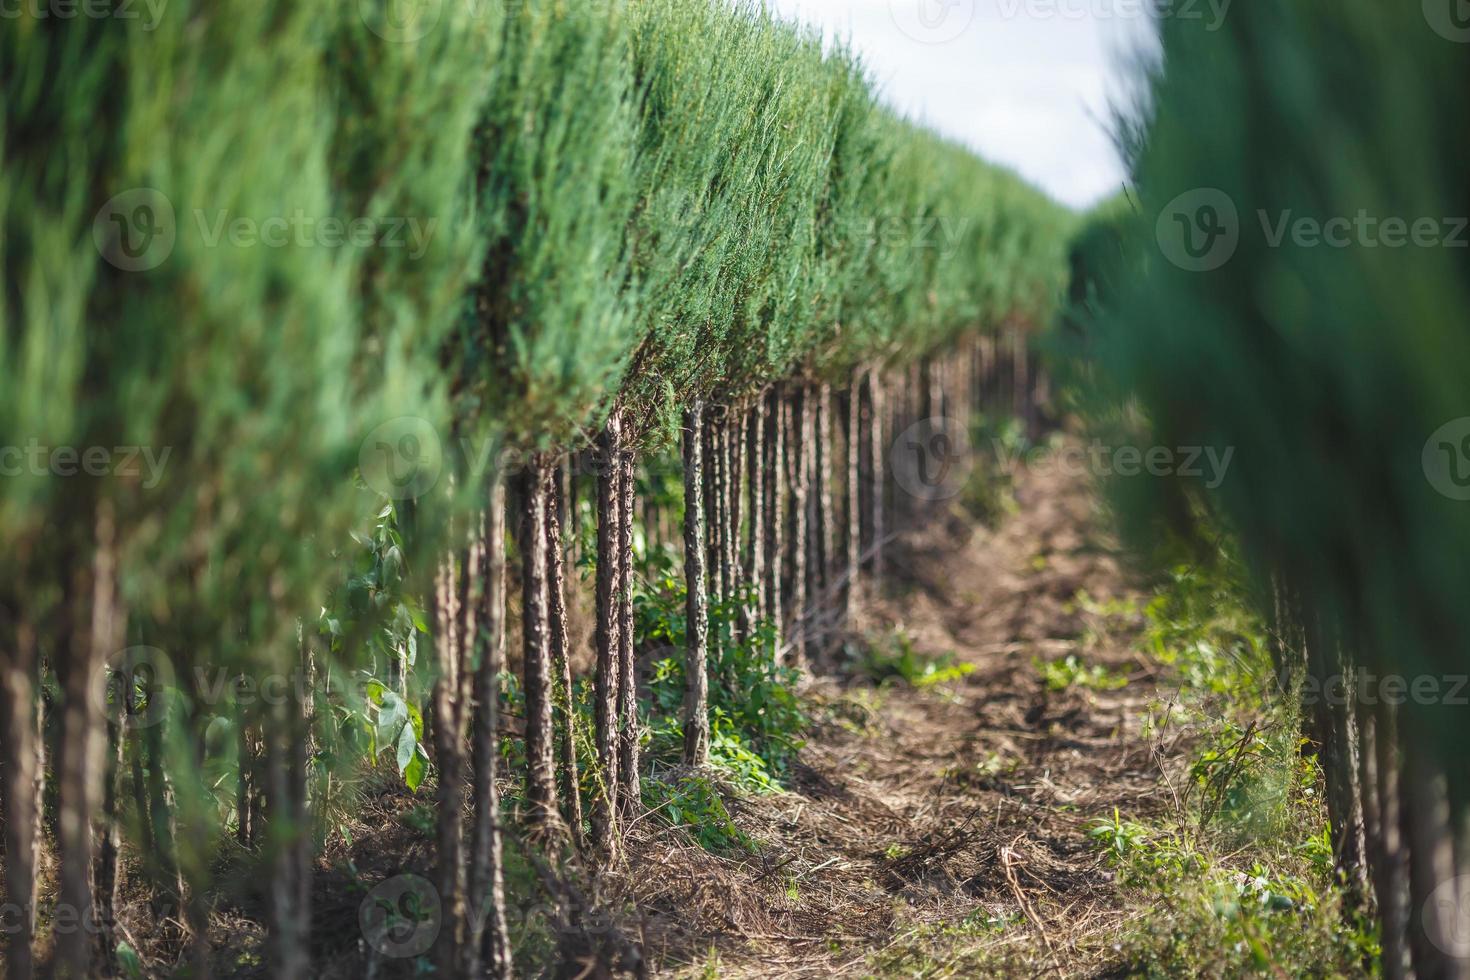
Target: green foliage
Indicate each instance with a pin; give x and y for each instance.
(1351, 355)
(627, 202)
(1201, 624)
(1238, 878)
(694, 802)
(1000, 444)
(894, 658)
(1071, 671)
(756, 716)
(550, 328)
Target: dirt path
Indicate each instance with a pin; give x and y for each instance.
(942, 832)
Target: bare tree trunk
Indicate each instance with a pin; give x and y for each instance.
(630, 792)
(105, 872)
(561, 660)
(876, 410)
(290, 836)
(489, 935)
(735, 471)
(1338, 763)
(1382, 835)
(824, 532)
(1393, 890)
(1426, 817)
(20, 749)
(852, 513)
(608, 630)
(755, 507)
(245, 786)
(696, 612)
(90, 631)
(707, 442)
(536, 652)
(801, 430)
(164, 851)
(450, 808)
(775, 524)
(716, 459)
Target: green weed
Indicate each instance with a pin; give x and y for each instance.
(894, 658)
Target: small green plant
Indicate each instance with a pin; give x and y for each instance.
(694, 803)
(894, 658)
(756, 717)
(1121, 838)
(1071, 671)
(1238, 879)
(1000, 446)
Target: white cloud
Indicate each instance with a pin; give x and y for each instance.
(1025, 83)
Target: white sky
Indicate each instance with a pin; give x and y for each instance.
(1026, 83)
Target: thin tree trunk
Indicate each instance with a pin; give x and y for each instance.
(289, 835)
(630, 791)
(824, 533)
(489, 935)
(801, 431)
(608, 630)
(735, 442)
(1382, 838)
(755, 508)
(105, 872)
(711, 563)
(715, 509)
(696, 680)
(91, 630)
(20, 750)
(556, 584)
(876, 412)
(775, 524)
(452, 690)
(1426, 817)
(536, 652)
(852, 512)
(245, 788)
(1393, 882)
(164, 852)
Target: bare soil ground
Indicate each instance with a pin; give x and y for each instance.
(939, 832)
(943, 831)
